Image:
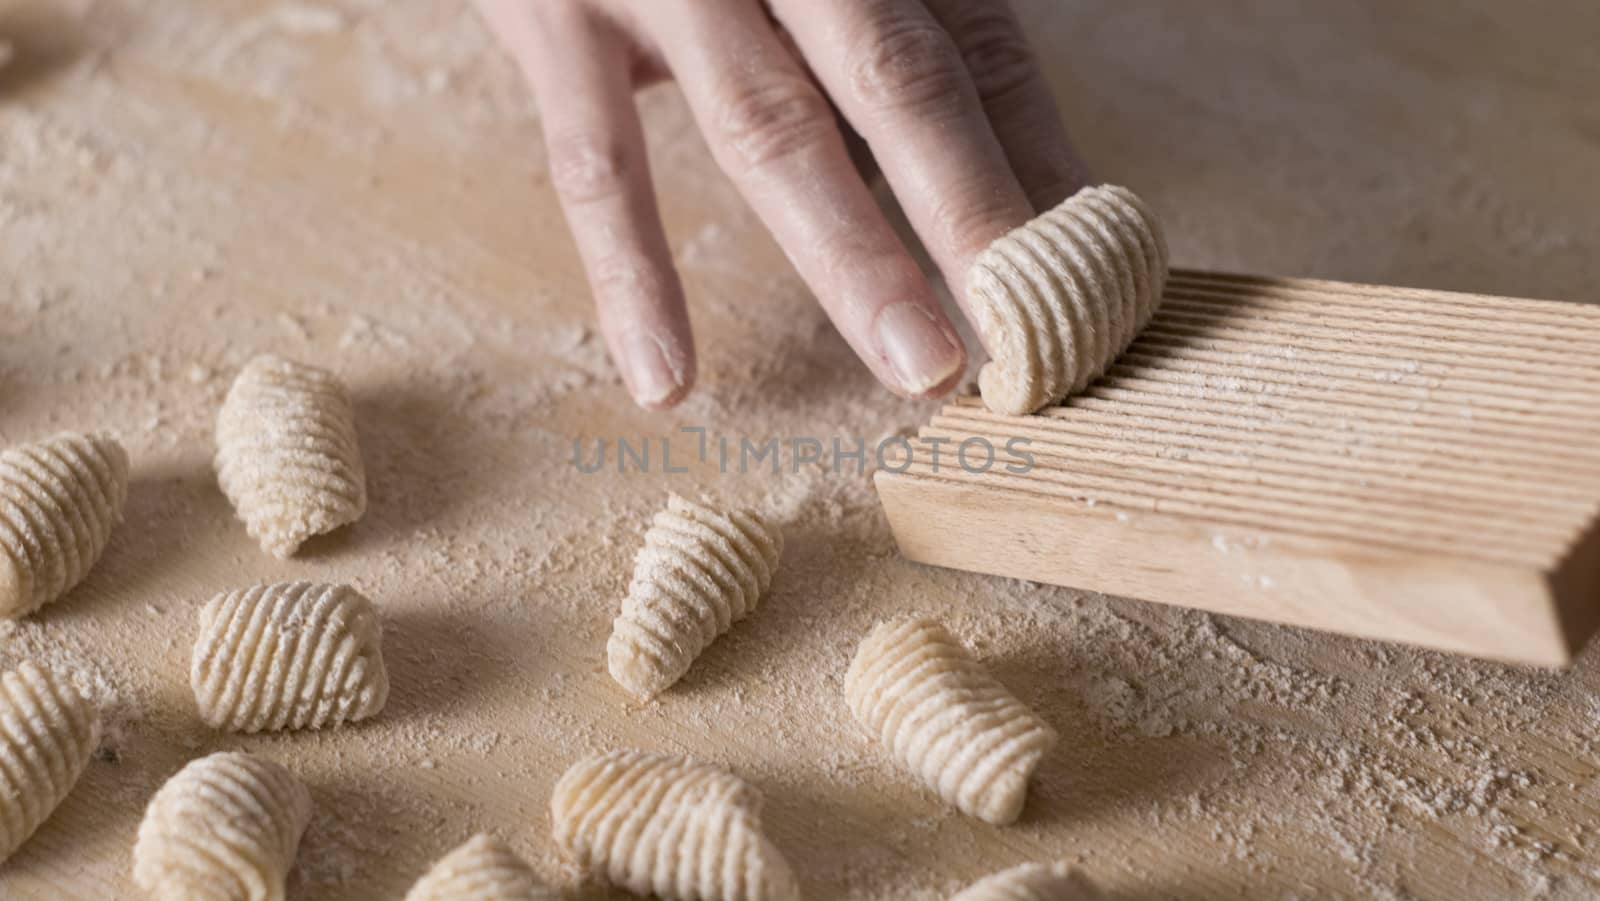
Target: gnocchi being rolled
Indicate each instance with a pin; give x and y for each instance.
(943, 717)
(225, 828)
(699, 572)
(47, 734)
(288, 656)
(287, 456)
(670, 827)
(483, 869)
(1057, 300)
(58, 502)
(1032, 882)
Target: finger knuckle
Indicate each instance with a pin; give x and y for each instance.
(621, 280)
(762, 122)
(966, 215)
(906, 64)
(586, 168)
(996, 52)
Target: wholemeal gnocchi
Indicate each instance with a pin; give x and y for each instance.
(290, 656)
(287, 455)
(483, 869)
(1032, 882)
(699, 572)
(58, 502)
(1057, 300)
(225, 828)
(47, 733)
(943, 717)
(668, 826)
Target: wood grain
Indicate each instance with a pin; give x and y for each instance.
(1415, 466)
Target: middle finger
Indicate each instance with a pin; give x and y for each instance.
(899, 79)
(773, 133)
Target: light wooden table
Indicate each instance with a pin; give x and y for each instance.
(185, 184)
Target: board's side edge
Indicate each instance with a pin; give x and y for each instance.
(1458, 604)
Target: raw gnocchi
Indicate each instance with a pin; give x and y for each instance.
(1057, 300)
(58, 502)
(671, 827)
(1032, 882)
(225, 828)
(699, 572)
(943, 717)
(47, 734)
(483, 869)
(287, 456)
(289, 656)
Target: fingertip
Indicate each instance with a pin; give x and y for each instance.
(673, 398)
(659, 372)
(923, 353)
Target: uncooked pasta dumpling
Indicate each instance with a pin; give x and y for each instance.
(47, 734)
(287, 456)
(1032, 882)
(1060, 298)
(700, 571)
(670, 827)
(296, 655)
(58, 501)
(483, 869)
(225, 828)
(944, 718)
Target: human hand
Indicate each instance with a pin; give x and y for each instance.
(946, 94)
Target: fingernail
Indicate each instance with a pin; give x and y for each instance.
(920, 353)
(648, 370)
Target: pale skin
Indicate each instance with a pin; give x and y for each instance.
(946, 94)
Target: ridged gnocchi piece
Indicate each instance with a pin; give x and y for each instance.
(483, 869)
(294, 655)
(944, 718)
(1032, 882)
(48, 732)
(699, 572)
(670, 827)
(1057, 300)
(225, 828)
(287, 455)
(59, 500)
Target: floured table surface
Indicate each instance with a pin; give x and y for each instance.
(183, 185)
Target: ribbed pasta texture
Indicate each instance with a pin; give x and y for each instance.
(699, 572)
(668, 827)
(1058, 299)
(58, 501)
(225, 828)
(287, 456)
(483, 869)
(47, 733)
(289, 656)
(1032, 882)
(946, 719)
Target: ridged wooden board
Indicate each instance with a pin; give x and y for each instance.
(1418, 466)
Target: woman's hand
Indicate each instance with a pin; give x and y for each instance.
(946, 94)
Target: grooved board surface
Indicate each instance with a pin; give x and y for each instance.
(1447, 443)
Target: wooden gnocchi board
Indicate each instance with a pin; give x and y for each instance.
(1416, 466)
